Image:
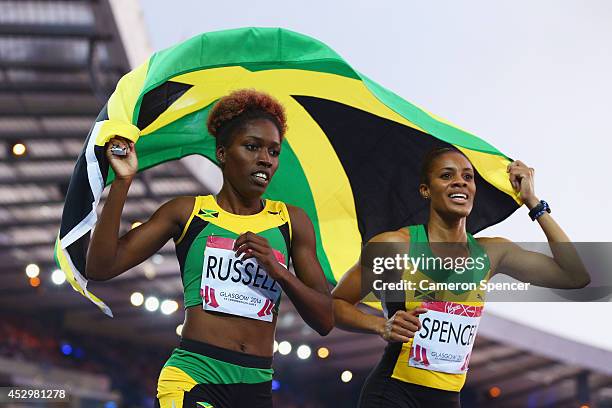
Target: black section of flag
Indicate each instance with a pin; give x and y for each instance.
(78, 253)
(382, 160)
(157, 100)
(80, 198)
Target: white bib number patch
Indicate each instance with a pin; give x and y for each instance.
(446, 338)
(235, 286)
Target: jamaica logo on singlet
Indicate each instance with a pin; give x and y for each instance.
(204, 213)
(205, 404)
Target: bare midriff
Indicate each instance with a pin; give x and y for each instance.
(230, 332)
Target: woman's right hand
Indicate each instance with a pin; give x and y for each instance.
(402, 326)
(125, 167)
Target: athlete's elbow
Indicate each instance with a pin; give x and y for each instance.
(98, 278)
(323, 328)
(323, 324)
(581, 282)
(325, 332)
(95, 274)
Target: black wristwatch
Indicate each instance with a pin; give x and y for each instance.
(539, 210)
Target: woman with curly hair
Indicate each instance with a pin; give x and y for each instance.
(233, 250)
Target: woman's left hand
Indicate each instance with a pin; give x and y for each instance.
(522, 180)
(255, 246)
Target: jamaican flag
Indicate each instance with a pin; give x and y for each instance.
(350, 159)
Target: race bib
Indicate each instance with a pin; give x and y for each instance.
(446, 338)
(231, 285)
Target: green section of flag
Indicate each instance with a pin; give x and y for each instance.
(258, 49)
(183, 137)
(422, 119)
(265, 46)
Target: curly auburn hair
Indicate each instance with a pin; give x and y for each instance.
(234, 110)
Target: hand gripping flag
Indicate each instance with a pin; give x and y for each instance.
(351, 157)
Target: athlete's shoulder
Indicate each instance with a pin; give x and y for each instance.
(301, 228)
(293, 209)
(176, 211)
(178, 206)
(401, 235)
(298, 216)
(496, 248)
(491, 241)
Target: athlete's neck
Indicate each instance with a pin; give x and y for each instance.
(232, 201)
(440, 229)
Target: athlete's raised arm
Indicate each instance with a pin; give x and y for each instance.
(308, 288)
(564, 270)
(348, 292)
(109, 255)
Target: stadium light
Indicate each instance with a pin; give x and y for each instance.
(58, 277)
(66, 349)
(179, 329)
(494, 392)
(137, 299)
(32, 270)
(149, 270)
(169, 306)
(275, 346)
(284, 347)
(323, 352)
(19, 149)
(151, 304)
(346, 376)
(303, 352)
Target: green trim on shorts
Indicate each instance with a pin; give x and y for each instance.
(206, 370)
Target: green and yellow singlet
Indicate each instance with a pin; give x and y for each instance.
(213, 277)
(438, 355)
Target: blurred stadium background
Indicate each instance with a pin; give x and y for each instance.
(59, 62)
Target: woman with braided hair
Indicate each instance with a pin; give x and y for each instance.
(233, 250)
